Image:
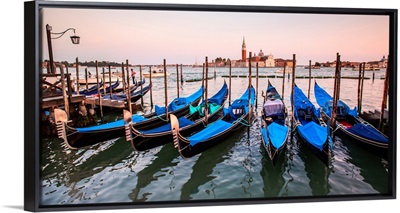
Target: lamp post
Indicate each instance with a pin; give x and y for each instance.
(75, 40)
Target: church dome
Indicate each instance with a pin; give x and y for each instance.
(261, 54)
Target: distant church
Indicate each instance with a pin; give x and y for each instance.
(260, 58)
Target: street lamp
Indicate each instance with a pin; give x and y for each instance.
(75, 40)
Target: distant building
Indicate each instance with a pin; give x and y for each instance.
(260, 58)
(270, 62)
(243, 50)
(279, 62)
(383, 62)
(243, 61)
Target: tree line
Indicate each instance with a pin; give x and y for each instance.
(90, 63)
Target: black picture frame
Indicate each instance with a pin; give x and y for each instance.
(32, 101)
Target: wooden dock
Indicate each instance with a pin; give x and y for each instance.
(59, 100)
(76, 99)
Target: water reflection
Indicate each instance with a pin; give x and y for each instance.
(272, 175)
(161, 160)
(316, 170)
(372, 168)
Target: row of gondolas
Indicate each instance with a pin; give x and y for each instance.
(196, 123)
(118, 94)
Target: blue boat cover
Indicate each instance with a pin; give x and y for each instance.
(178, 103)
(369, 132)
(167, 127)
(241, 106)
(314, 134)
(208, 132)
(111, 125)
(325, 101)
(272, 93)
(220, 126)
(219, 97)
(276, 133)
(301, 102)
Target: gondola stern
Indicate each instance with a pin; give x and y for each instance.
(178, 139)
(61, 119)
(128, 125)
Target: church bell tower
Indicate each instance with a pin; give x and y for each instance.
(244, 50)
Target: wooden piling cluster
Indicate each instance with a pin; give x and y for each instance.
(68, 99)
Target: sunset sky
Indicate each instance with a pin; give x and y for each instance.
(148, 37)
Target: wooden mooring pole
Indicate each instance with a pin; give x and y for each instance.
(104, 81)
(202, 81)
(141, 85)
(69, 86)
(256, 85)
(86, 79)
(123, 78)
(206, 94)
(309, 79)
(230, 82)
(283, 81)
(151, 90)
(181, 75)
(177, 80)
(384, 98)
(109, 80)
(293, 84)
(128, 95)
(336, 90)
(359, 89)
(64, 92)
(77, 75)
(249, 97)
(98, 90)
(165, 89)
(362, 87)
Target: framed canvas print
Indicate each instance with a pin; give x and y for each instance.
(132, 105)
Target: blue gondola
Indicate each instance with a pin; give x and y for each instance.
(349, 125)
(107, 89)
(274, 125)
(135, 95)
(80, 137)
(310, 127)
(235, 118)
(194, 121)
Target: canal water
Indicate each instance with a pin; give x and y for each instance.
(111, 172)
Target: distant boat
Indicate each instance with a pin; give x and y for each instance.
(367, 68)
(155, 74)
(286, 71)
(312, 67)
